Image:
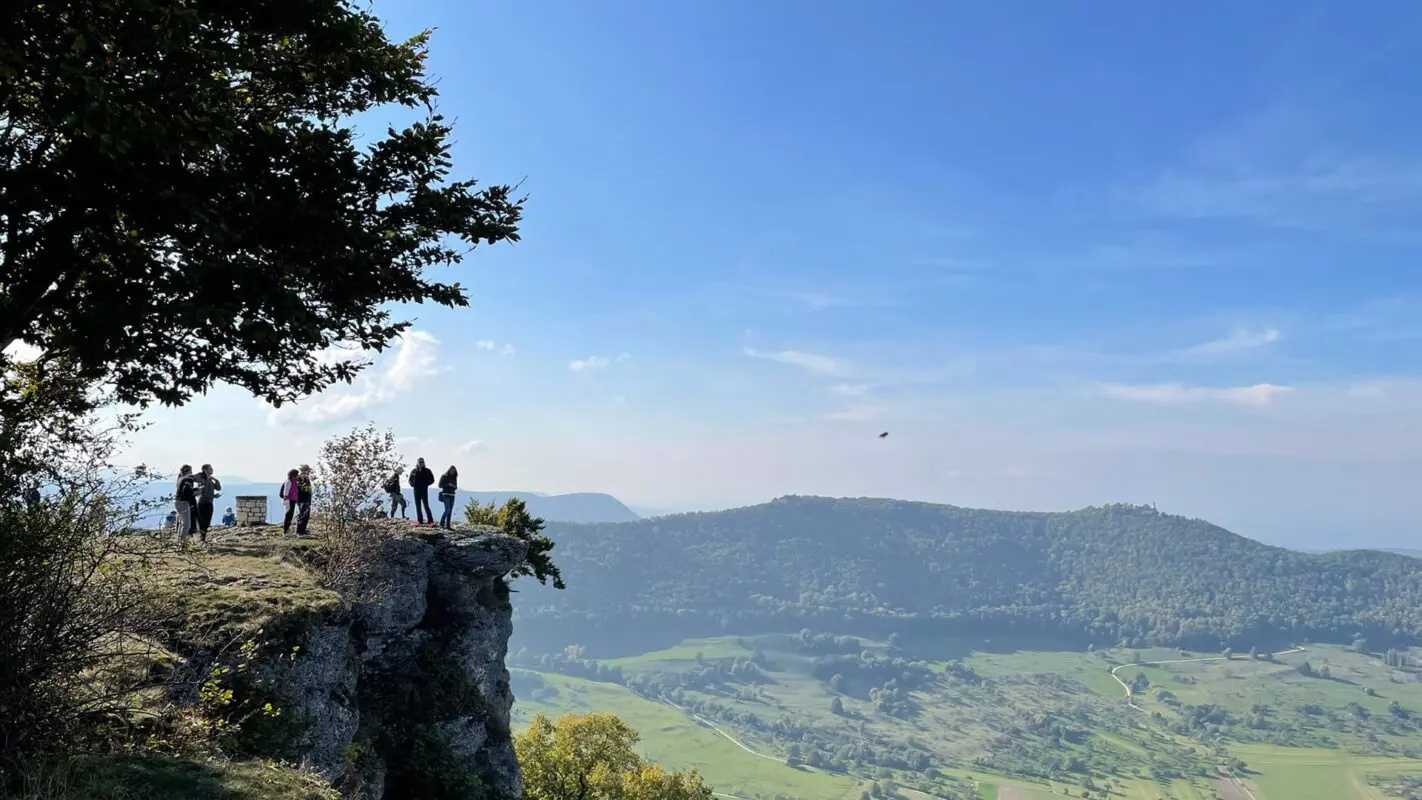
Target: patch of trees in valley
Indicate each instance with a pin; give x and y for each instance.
(1118, 574)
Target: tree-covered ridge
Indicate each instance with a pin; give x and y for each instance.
(1107, 574)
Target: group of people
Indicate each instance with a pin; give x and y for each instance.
(421, 478)
(192, 503)
(196, 492)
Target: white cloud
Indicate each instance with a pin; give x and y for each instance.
(410, 443)
(823, 365)
(471, 446)
(1240, 339)
(1260, 395)
(852, 389)
(20, 352)
(856, 413)
(594, 363)
(505, 349)
(412, 363)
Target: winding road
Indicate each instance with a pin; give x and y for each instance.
(1236, 782)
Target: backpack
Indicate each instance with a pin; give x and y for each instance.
(392, 486)
(185, 489)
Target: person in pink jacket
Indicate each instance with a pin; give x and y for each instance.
(290, 494)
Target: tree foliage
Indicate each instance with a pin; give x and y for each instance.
(591, 757)
(1109, 575)
(513, 518)
(183, 199)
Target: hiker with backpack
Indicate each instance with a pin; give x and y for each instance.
(448, 485)
(397, 498)
(185, 503)
(421, 479)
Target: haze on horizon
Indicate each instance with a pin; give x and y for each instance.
(1066, 258)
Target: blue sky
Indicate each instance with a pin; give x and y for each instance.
(1065, 253)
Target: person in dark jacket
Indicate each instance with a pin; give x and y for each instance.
(421, 478)
(185, 503)
(448, 485)
(208, 488)
(305, 492)
(397, 498)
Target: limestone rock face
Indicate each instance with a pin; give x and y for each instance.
(406, 694)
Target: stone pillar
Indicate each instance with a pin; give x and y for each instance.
(251, 510)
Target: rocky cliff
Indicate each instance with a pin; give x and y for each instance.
(402, 694)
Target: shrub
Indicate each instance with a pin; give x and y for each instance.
(349, 476)
(82, 617)
(513, 518)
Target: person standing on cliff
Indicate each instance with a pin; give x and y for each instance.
(288, 493)
(448, 485)
(185, 503)
(209, 488)
(421, 478)
(304, 494)
(397, 498)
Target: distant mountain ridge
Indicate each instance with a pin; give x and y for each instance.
(1117, 574)
(577, 507)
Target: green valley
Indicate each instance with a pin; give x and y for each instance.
(841, 648)
(816, 717)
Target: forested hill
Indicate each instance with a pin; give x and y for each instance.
(1104, 574)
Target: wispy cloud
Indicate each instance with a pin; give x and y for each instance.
(470, 447)
(595, 363)
(856, 413)
(1239, 340)
(1260, 395)
(820, 364)
(413, 362)
(504, 349)
(1358, 195)
(852, 389)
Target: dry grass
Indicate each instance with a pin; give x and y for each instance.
(154, 777)
(247, 579)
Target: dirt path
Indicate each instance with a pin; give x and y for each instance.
(1233, 789)
(733, 740)
(1228, 788)
(1125, 686)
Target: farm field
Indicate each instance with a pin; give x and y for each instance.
(768, 716)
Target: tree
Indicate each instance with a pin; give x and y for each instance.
(591, 757)
(513, 519)
(1360, 645)
(837, 706)
(183, 199)
(1228, 653)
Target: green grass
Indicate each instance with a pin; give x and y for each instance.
(957, 720)
(672, 739)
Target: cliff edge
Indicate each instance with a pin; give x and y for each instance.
(403, 693)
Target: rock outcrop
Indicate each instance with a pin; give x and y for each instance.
(405, 694)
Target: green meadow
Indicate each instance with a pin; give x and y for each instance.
(1008, 722)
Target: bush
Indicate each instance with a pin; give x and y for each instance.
(513, 518)
(82, 620)
(352, 469)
